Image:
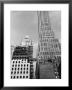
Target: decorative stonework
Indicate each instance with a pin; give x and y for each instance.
(48, 44)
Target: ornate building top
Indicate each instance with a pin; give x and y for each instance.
(48, 44)
(26, 41)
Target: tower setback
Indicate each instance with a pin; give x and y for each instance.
(48, 46)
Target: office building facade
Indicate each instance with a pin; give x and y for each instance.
(20, 69)
(49, 49)
(20, 63)
(48, 46)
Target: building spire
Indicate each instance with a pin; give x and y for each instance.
(44, 22)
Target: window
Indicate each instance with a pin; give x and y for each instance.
(26, 71)
(20, 76)
(21, 72)
(17, 77)
(13, 65)
(26, 76)
(14, 77)
(15, 68)
(23, 76)
(11, 76)
(12, 68)
(18, 72)
(42, 49)
(13, 61)
(24, 65)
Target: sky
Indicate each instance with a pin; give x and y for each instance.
(24, 23)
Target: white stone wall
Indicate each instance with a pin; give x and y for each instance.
(20, 69)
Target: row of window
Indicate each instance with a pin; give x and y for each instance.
(50, 53)
(44, 27)
(49, 57)
(46, 37)
(19, 72)
(19, 60)
(49, 50)
(51, 45)
(19, 56)
(45, 40)
(47, 34)
(18, 77)
(46, 53)
(19, 68)
(20, 65)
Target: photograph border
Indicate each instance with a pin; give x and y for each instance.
(2, 26)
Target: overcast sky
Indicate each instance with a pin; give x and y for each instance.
(26, 23)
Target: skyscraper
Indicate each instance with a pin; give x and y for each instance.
(20, 64)
(49, 46)
(49, 49)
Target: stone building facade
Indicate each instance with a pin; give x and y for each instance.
(21, 66)
(49, 46)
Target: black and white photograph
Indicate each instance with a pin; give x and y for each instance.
(35, 44)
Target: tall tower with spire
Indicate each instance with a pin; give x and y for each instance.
(48, 46)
